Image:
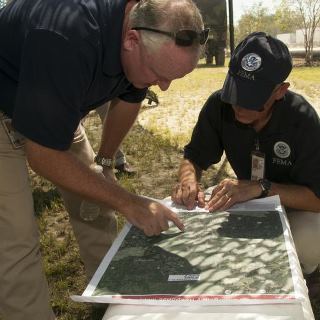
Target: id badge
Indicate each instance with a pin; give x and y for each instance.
(17, 140)
(257, 165)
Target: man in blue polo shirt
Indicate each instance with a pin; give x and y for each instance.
(270, 137)
(59, 59)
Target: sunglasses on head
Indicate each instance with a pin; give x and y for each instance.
(182, 38)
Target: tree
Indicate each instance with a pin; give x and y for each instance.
(258, 18)
(309, 12)
(283, 20)
(286, 18)
(254, 19)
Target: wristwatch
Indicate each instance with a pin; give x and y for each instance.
(104, 162)
(265, 186)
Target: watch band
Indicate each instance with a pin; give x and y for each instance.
(104, 162)
(265, 187)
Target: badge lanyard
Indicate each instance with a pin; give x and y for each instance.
(257, 162)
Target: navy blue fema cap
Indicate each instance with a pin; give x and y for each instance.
(257, 65)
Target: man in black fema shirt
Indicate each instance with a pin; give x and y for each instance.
(271, 138)
(59, 59)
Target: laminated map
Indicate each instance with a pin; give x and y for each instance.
(220, 258)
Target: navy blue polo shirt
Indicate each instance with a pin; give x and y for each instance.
(290, 141)
(59, 59)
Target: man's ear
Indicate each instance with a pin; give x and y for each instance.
(282, 90)
(131, 40)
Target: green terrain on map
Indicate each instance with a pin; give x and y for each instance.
(229, 252)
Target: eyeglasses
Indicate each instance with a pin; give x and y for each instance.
(183, 38)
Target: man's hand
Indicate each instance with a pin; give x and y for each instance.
(231, 191)
(68, 172)
(152, 217)
(188, 193)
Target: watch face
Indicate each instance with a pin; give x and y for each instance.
(105, 162)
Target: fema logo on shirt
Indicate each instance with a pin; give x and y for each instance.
(282, 149)
(251, 62)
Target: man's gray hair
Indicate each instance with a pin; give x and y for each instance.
(166, 15)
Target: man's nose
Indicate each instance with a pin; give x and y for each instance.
(164, 85)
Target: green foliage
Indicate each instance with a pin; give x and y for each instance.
(257, 19)
(283, 20)
(286, 18)
(304, 79)
(289, 16)
(46, 200)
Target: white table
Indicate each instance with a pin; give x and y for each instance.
(250, 312)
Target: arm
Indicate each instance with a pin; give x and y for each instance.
(188, 192)
(205, 149)
(296, 197)
(231, 191)
(65, 170)
(118, 122)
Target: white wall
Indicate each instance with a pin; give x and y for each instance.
(297, 38)
(287, 38)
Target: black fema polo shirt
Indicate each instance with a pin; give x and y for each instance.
(59, 59)
(290, 141)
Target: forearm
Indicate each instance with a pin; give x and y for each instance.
(188, 192)
(66, 171)
(189, 172)
(231, 191)
(296, 197)
(118, 122)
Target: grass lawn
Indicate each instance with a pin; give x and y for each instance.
(180, 105)
(154, 147)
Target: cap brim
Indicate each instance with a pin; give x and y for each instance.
(244, 93)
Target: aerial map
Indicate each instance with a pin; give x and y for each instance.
(219, 254)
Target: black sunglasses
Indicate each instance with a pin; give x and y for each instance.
(183, 38)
